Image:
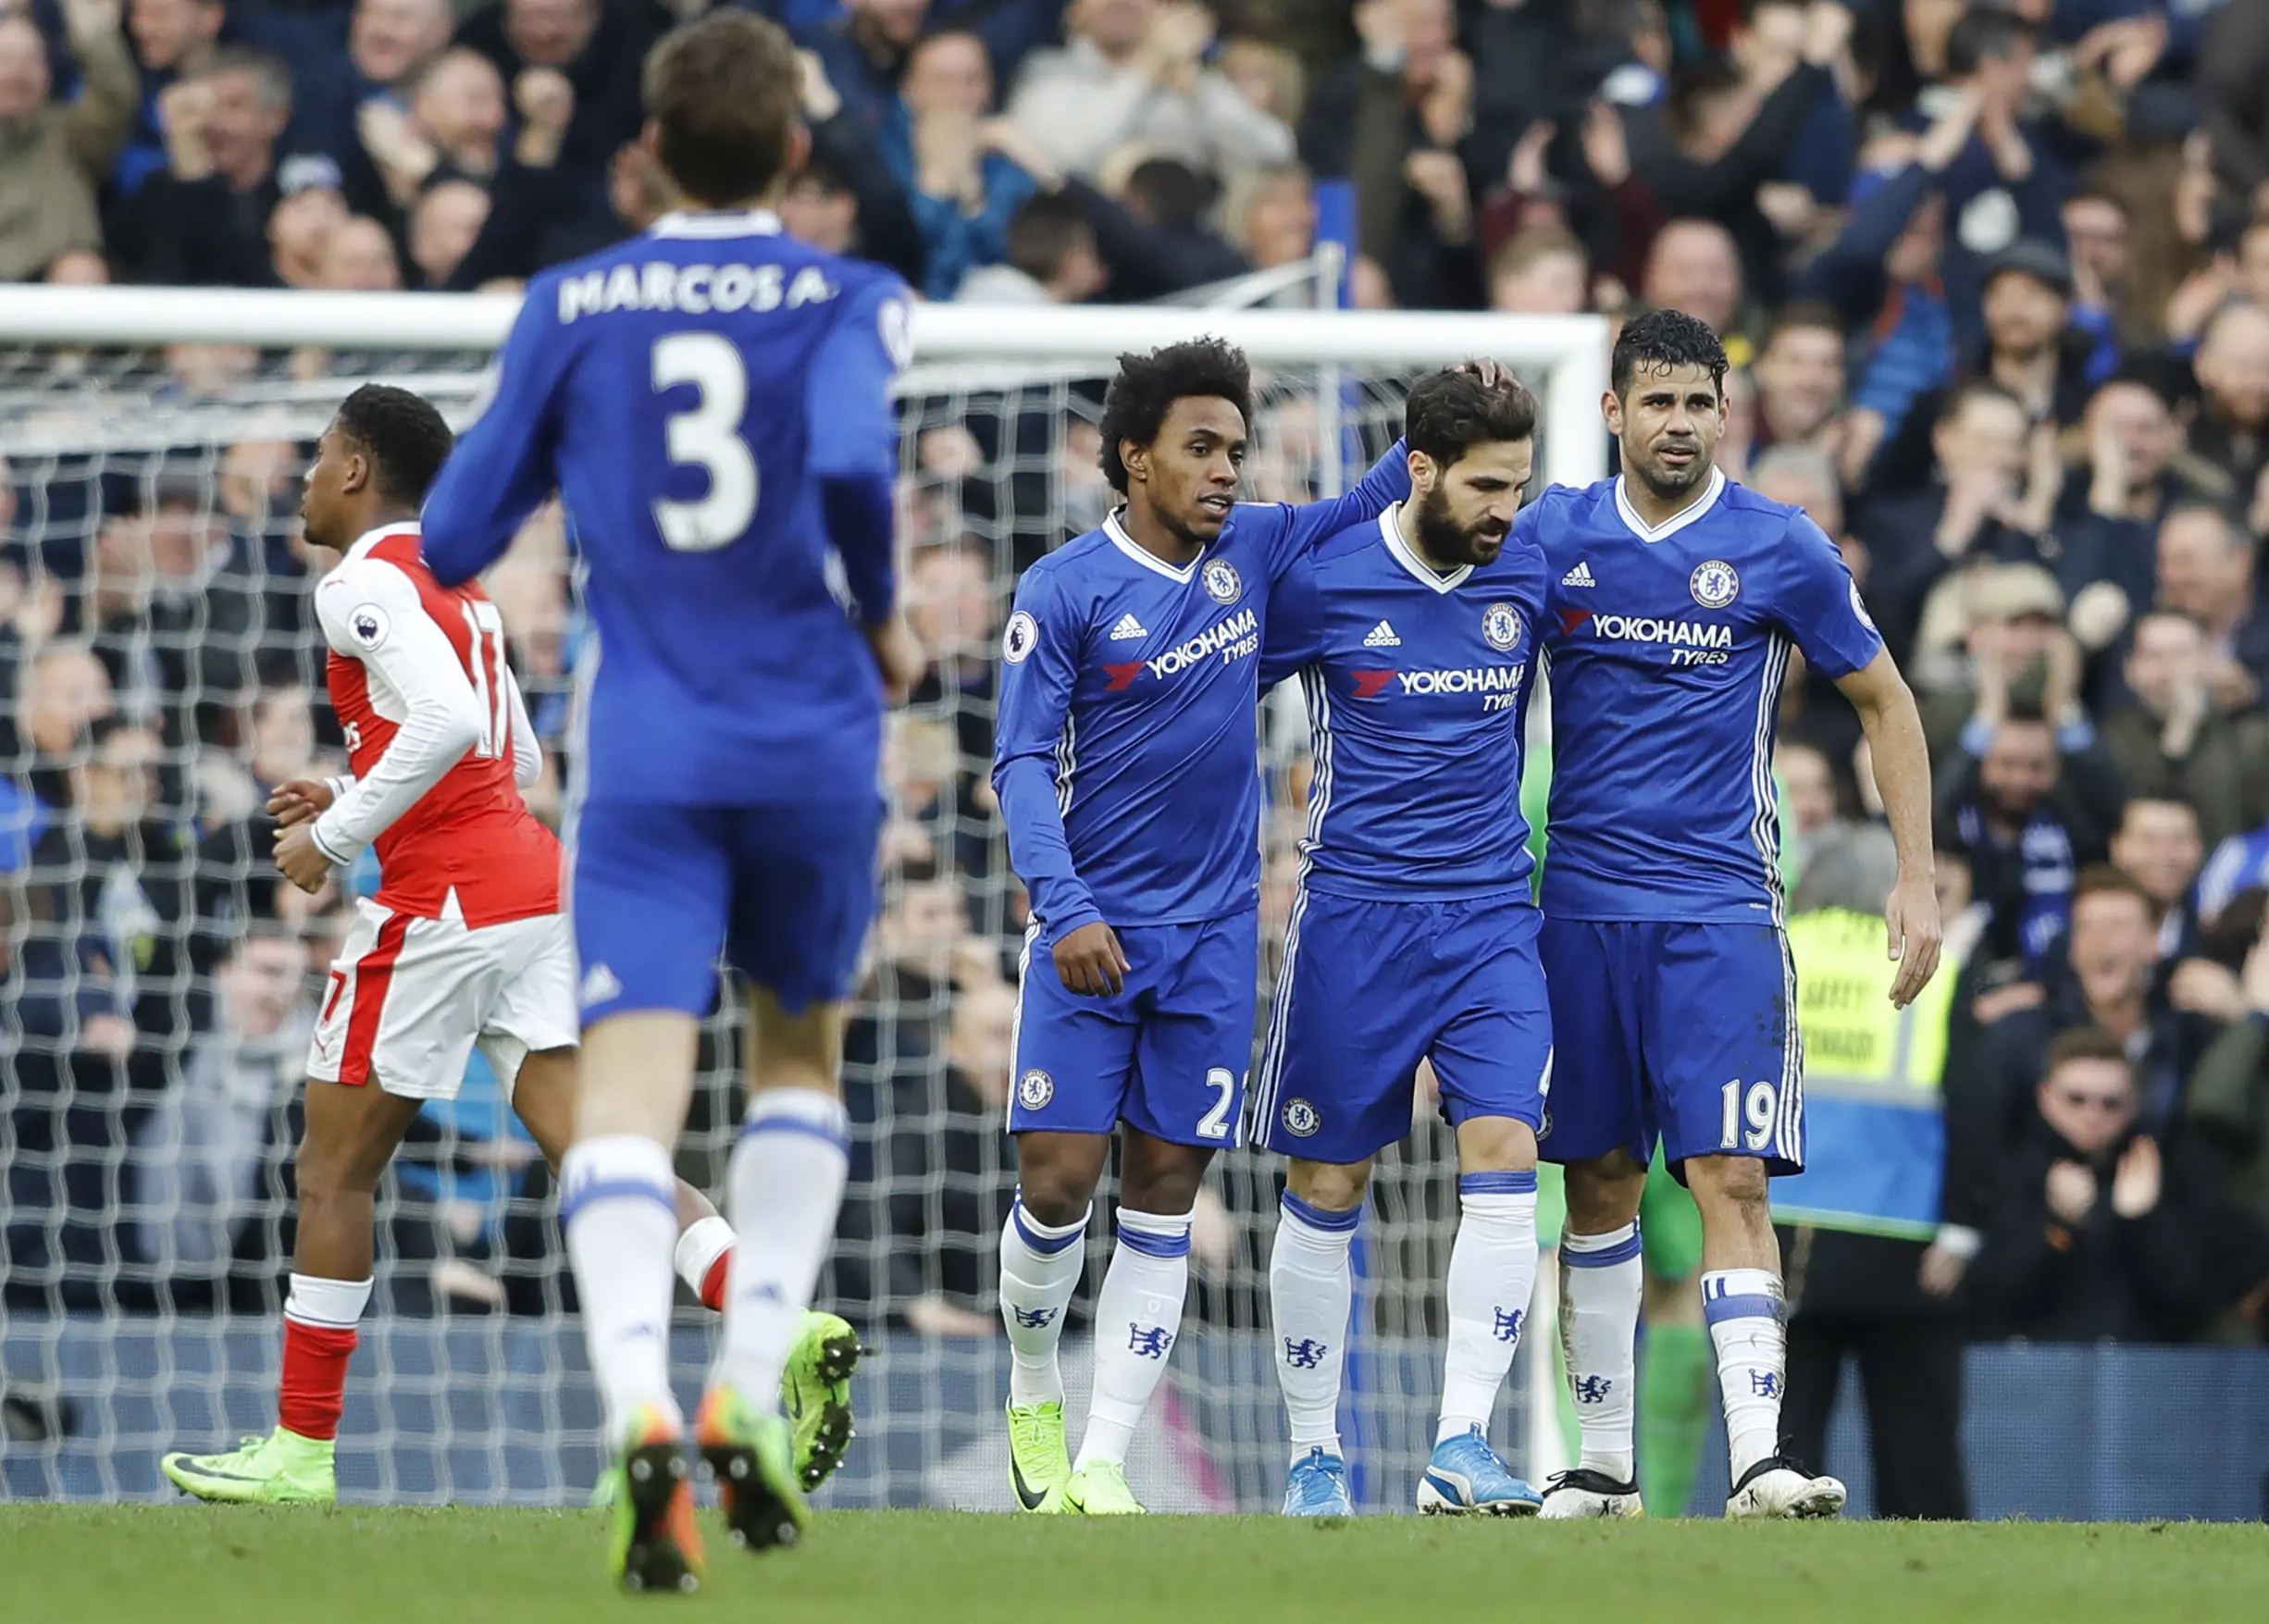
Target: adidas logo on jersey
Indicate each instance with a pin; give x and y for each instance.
(1128, 627)
(1578, 577)
(600, 985)
(1383, 636)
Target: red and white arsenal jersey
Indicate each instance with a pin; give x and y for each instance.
(440, 738)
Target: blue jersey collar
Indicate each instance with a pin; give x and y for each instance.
(1676, 521)
(716, 223)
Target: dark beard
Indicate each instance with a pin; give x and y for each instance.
(1443, 540)
(1664, 482)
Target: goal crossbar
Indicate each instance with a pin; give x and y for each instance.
(1566, 356)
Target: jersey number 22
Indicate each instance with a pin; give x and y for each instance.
(707, 435)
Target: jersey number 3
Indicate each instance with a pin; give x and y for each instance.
(707, 435)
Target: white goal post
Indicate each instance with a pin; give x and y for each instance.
(134, 1320)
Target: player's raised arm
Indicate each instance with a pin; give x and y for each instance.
(370, 612)
(1299, 528)
(502, 467)
(1824, 613)
(1039, 661)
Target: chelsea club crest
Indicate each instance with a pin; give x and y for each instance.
(1502, 625)
(1300, 1119)
(1221, 581)
(1715, 584)
(1035, 1089)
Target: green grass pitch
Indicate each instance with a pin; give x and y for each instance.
(432, 1566)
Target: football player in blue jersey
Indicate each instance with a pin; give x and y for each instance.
(1677, 600)
(1127, 767)
(712, 400)
(1413, 935)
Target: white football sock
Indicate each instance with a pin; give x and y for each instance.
(785, 1188)
(1491, 1277)
(1601, 1281)
(1743, 1307)
(1040, 1267)
(335, 1305)
(618, 1205)
(1137, 1316)
(1311, 1293)
(705, 1241)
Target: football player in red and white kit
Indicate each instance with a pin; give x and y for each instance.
(464, 945)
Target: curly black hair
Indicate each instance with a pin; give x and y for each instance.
(1660, 340)
(404, 435)
(1448, 413)
(1148, 386)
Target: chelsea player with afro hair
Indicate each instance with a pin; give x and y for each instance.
(1127, 767)
(1677, 598)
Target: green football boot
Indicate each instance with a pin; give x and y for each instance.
(656, 1544)
(1098, 1488)
(1038, 1463)
(281, 1469)
(753, 1460)
(815, 1392)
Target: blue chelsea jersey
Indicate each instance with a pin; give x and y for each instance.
(713, 402)
(1418, 690)
(1665, 649)
(1127, 757)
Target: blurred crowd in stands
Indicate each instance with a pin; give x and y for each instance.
(1994, 277)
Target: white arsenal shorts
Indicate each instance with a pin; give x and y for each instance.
(407, 998)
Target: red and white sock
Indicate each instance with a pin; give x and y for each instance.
(320, 1319)
(705, 1259)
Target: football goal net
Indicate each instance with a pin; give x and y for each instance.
(163, 670)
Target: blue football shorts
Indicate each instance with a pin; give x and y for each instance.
(1168, 1056)
(785, 894)
(1367, 989)
(1679, 1031)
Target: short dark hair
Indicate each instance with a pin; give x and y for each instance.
(1691, 88)
(404, 435)
(1664, 339)
(1043, 232)
(2100, 879)
(272, 71)
(1804, 316)
(1450, 411)
(726, 95)
(2229, 937)
(103, 729)
(2085, 1043)
(2089, 192)
(1981, 34)
(1148, 386)
(1171, 194)
(1974, 388)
